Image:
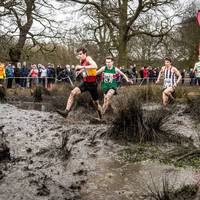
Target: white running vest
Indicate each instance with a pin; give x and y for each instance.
(169, 77)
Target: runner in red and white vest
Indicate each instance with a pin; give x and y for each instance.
(170, 73)
(88, 69)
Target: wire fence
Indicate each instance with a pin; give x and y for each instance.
(28, 82)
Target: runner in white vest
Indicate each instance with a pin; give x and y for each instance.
(170, 73)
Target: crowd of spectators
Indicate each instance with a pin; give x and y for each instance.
(23, 75)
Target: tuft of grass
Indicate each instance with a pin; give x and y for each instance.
(183, 156)
(169, 192)
(134, 124)
(2, 94)
(61, 89)
(193, 108)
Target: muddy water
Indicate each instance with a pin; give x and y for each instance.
(181, 123)
(125, 181)
(42, 166)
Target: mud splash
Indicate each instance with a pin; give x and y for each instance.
(37, 168)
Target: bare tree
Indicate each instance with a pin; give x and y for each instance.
(18, 18)
(128, 18)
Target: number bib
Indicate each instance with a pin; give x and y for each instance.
(168, 82)
(108, 78)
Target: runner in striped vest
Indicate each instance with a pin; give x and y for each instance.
(170, 73)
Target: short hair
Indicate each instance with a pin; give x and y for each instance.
(109, 58)
(83, 49)
(168, 59)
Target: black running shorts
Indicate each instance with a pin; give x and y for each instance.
(91, 88)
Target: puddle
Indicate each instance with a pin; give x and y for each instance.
(113, 180)
(44, 107)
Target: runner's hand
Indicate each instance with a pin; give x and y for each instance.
(78, 73)
(157, 81)
(130, 81)
(175, 85)
(78, 67)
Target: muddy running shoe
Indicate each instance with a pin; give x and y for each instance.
(64, 113)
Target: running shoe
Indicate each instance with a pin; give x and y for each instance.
(63, 113)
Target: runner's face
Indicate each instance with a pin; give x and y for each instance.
(167, 63)
(199, 57)
(81, 55)
(109, 62)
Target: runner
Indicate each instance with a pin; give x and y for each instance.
(197, 71)
(170, 72)
(109, 83)
(88, 69)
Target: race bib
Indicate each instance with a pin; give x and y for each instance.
(108, 78)
(167, 82)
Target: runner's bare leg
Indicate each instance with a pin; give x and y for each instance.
(107, 99)
(75, 92)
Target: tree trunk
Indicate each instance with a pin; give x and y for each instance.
(123, 34)
(16, 51)
(15, 54)
(123, 53)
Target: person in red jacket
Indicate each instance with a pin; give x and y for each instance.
(145, 75)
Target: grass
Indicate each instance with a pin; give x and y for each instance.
(179, 155)
(134, 124)
(169, 192)
(193, 108)
(2, 94)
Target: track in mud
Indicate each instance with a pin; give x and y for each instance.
(57, 159)
(42, 164)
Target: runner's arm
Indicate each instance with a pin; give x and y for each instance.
(4, 73)
(159, 76)
(92, 64)
(100, 70)
(178, 74)
(124, 75)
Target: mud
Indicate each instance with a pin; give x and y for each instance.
(67, 159)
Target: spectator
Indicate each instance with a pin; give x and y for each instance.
(34, 75)
(155, 74)
(58, 70)
(70, 72)
(43, 76)
(151, 74)
(145, 75)
(192, 77)
(23, 74)
(17, 74)
(51, 73)
(141, 74)
(9, 75)
(183, 76)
